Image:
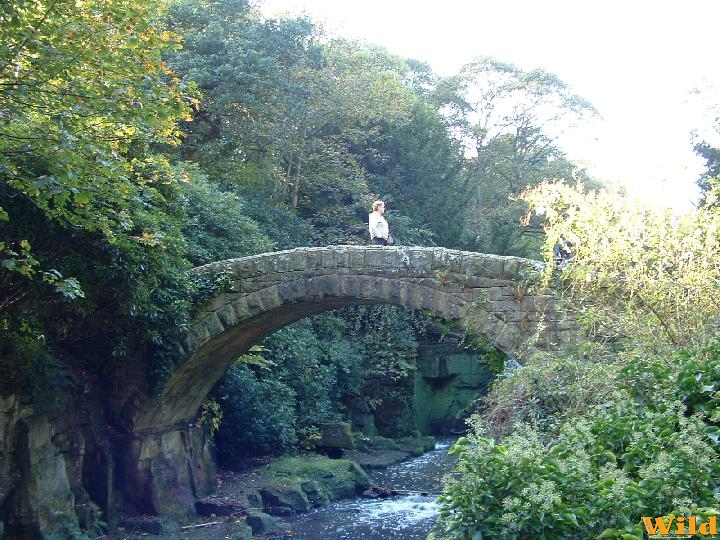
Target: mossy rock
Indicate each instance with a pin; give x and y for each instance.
(315, 493)
(416, 446)
(241, 531)
(370, 444)
(336, 435)
(336, 478)
(281, 499)
(260, 522)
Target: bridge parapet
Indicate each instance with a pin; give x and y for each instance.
(438, 279)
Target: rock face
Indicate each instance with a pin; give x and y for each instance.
(52, 464)
(63, 468)
(164, 473)
(448, 381)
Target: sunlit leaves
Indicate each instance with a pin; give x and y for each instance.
(81, 83)
(653, 276)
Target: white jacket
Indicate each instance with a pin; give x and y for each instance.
(378, 226)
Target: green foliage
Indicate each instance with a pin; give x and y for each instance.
(315, 366)
(66, 527)
(708, 181)
(302, 363)
(507, 120)
(89, 244)
(79, 95)
(210, 417)
(217, 227)
(650, 278)
(604, 469)
(546, 393)
(592, 443)
(258, 416)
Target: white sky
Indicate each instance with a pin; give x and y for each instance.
(635, 60)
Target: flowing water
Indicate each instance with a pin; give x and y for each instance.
(405, 517)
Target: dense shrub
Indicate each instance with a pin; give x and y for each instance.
(258, 416)
(605, 470)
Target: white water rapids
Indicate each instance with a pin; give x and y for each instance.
(405, 517)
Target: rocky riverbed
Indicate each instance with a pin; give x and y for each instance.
(253, 503)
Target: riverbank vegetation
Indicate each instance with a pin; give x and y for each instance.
(141, 139)
(583, 445)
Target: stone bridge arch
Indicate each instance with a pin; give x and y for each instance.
(262, 293)
(165, 463)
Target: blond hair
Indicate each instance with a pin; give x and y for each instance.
(376, 204)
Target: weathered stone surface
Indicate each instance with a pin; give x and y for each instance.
(241, 531)
(336, 435)
(219, 506)
(48, 454)
(261, 523)
(284, 499)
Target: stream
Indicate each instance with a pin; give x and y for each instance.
(404, 517)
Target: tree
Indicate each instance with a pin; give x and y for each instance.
(709, 180)
(508, 120)
(641, 275)
(84, 99)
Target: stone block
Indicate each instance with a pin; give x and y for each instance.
(254, 304)
(379, 257)
(227, 315)
(301, 291)
(242, 268)
(366, 287)
(357, 258)
(213, 324)
(336, 435)
(270, 298)
(297, 261)
(453, 260)
(263, 265)
(493, 267)
(511, 268)
(342, 258)
(314, 258)
(286, 293)
(330, 285)
(495, 294)
(348, 286)
(509, 338)
(200, 331)
(421, 261)
(241, 308)
(473, 264)
(329, 258)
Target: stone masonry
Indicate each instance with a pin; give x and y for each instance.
(492, 295)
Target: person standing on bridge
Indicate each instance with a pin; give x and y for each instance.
(379, 231)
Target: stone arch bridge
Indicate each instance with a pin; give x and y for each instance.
(258, 295)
